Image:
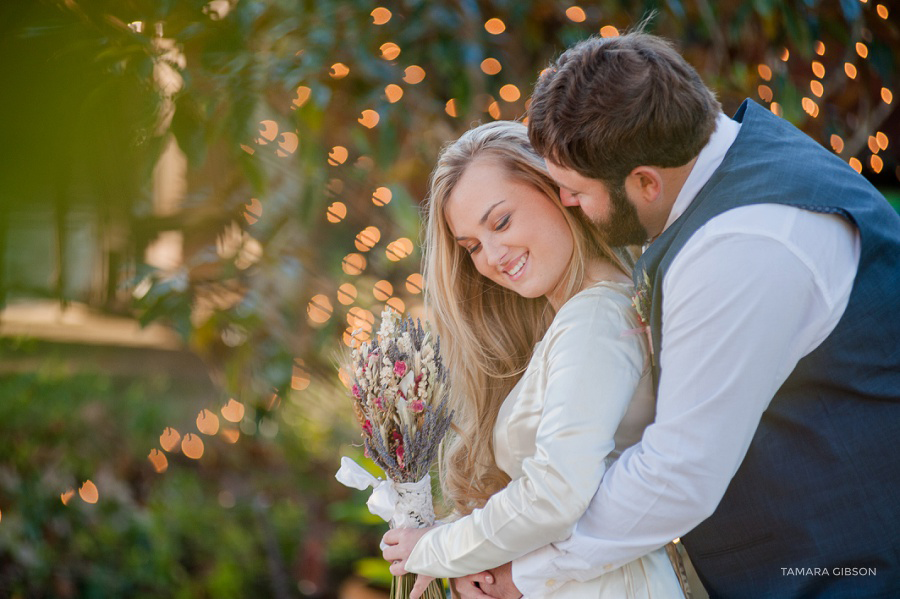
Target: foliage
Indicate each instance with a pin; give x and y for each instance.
(267, 100)
(247, 519)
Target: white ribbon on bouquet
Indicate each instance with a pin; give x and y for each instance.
(403, 505)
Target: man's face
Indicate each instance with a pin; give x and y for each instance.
(610, 209)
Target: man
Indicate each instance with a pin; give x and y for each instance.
(774, 272)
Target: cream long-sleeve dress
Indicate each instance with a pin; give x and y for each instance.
(585, 396)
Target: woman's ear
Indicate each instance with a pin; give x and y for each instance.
(644, 184)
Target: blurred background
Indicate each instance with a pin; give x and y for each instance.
(201, 201)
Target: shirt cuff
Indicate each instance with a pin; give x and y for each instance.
(536, 575)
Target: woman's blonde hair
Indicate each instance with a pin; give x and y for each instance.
(487, 331)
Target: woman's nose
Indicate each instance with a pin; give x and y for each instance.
(494, 253)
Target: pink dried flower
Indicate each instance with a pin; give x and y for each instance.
(379, 403)
(399, 367)
(367, 427)
(400, 455)
(417, 406)
(355, 391)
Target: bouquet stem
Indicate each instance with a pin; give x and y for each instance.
(401, 587)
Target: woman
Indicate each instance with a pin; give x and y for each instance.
(549, 374)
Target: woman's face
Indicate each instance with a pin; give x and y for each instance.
(515, 235)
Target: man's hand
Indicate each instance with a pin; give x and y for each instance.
(422, 583)
(398, 544)
(471, 586)
(502, 586)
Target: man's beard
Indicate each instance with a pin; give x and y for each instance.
(623, 227)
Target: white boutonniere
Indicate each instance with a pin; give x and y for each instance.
(641, 302)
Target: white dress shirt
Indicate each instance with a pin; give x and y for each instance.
(753, 291)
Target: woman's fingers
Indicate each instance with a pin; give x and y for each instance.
(398, 568)
(392, 536)
(422, 583)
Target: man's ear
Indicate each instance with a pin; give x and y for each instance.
(644, 184)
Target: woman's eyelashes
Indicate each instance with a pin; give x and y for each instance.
(501, 225)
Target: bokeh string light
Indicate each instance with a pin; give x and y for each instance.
(414, 74)
(382, 290)
(450, 108)
(393, 93)
(576, 14)
(495, 26)
(353, 264)
(318, 310)
(609, 31)
(389, 50)
(382, 196)
(300, 377)
(491, 66)
(347, 293)
(510, 93)
(89, 492)
(380, 15)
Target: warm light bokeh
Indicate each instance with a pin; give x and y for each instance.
(390, 50)
(353, 264)
(169, 439)
(491, 66)
(393, 92)
(381, 196)
(318, 310)
(380, 15)
(414, 74)
(576, 14)
(89, 492)
(233, 411)
(495, 26)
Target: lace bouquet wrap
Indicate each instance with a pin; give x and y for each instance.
(400, 392)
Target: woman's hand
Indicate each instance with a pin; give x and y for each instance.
(398, 544)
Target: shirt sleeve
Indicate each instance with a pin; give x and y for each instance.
(739, 313)
(591, 373)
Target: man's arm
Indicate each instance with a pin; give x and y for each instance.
(740, 310)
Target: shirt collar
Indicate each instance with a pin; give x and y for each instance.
(709, 159)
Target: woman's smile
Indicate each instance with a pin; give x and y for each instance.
(516, 268)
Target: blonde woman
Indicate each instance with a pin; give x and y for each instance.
(550, 379)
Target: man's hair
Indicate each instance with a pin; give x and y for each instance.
(608, 105)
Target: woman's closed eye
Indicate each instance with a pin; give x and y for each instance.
(502, 224)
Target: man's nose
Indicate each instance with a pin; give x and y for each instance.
(567, 198)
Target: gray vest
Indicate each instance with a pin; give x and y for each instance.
(814, 509)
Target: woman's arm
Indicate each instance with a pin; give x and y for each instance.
(592, 371)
